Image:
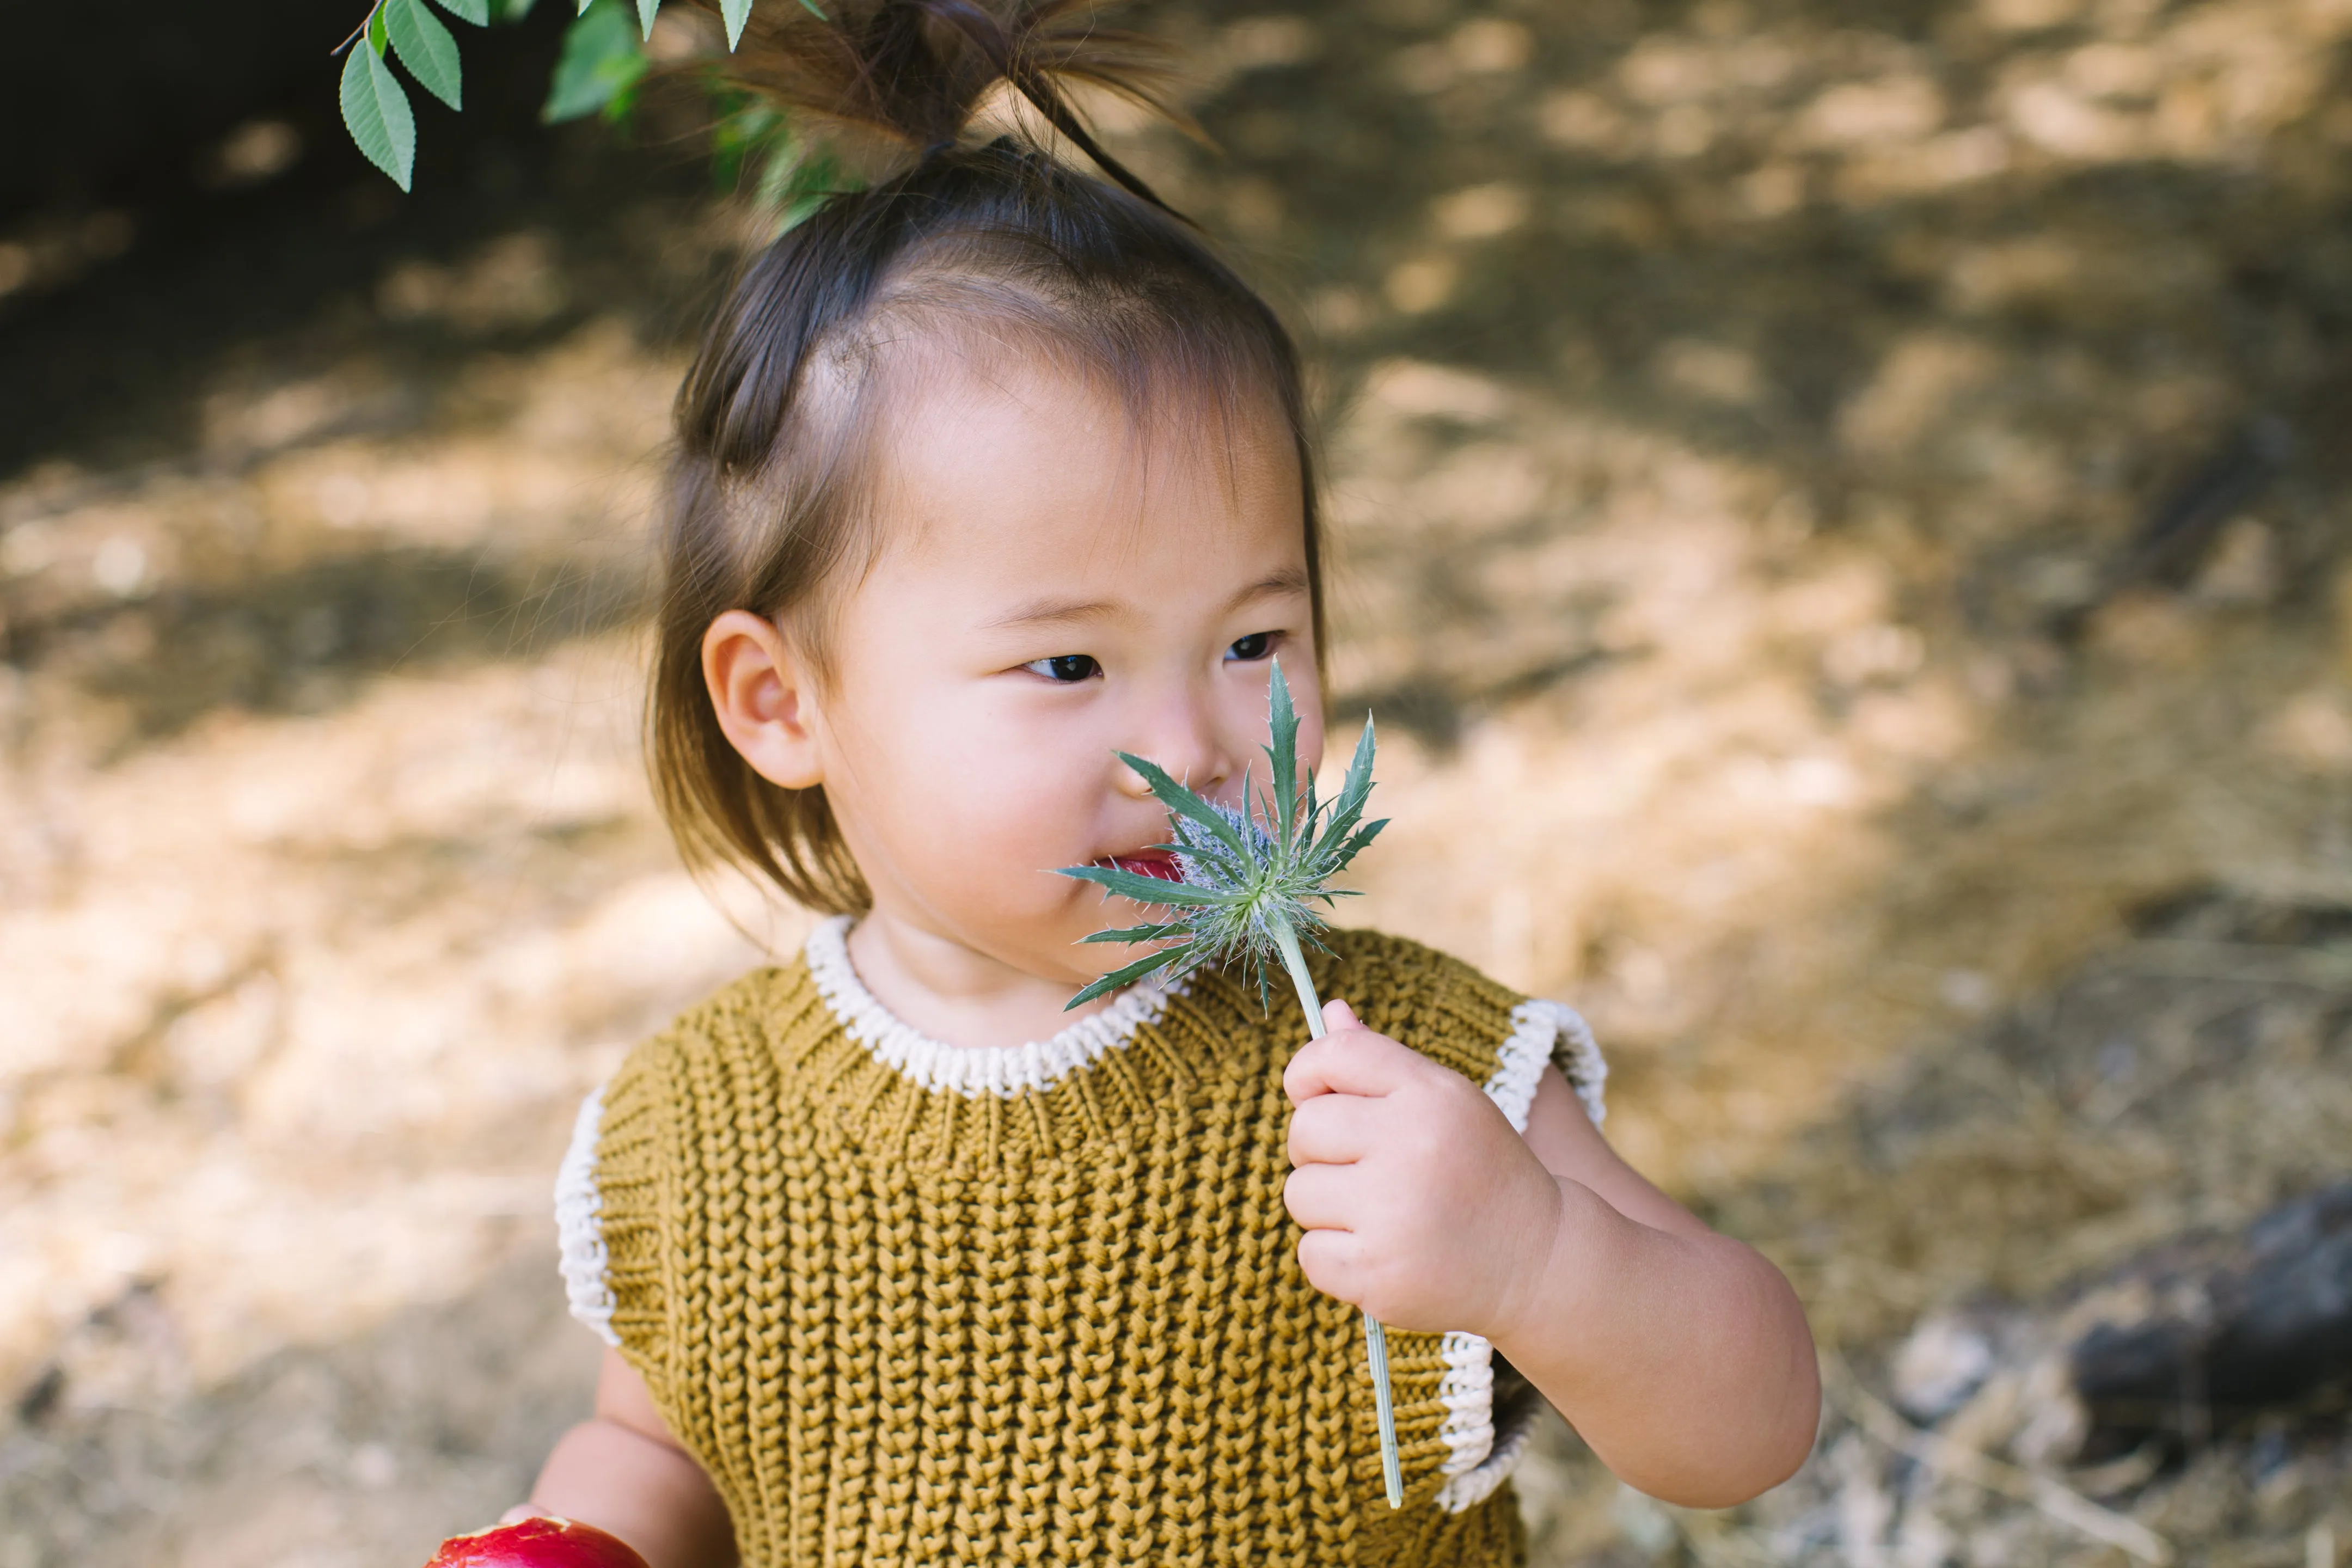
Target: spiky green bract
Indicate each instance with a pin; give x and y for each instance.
(1252, 874)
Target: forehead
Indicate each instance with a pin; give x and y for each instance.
(1010, 463)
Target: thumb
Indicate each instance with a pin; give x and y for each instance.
(1338, 1016)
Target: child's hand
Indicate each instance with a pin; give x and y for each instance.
(1680, 1356)
(1421, 1205)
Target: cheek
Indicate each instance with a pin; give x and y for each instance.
(996, 799)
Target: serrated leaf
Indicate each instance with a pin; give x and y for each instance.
(426, 48)
(1281, 726)
(1357, 783)
(601, 61)
(646, 10)
(1132, 934)
(734, 13)
(377, 40)
(1354, 791)
(1127, 976)
(1364, 836)
(376, 112)
(478, 12)
(1177, 798)
(1146, 890)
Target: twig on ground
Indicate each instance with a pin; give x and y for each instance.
(1946, 1458)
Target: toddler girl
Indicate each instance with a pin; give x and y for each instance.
(985, 473)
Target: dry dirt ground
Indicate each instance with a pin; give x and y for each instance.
(1838, 506)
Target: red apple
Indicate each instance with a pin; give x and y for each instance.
(539, 1543)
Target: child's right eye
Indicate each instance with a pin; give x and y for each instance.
(1066, 667)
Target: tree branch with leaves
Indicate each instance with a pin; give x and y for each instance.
(598, 71)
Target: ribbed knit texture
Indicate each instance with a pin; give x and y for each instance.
(904, 1325)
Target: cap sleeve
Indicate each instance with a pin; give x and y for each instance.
(1548, 1032)
(1490, 1411)
(609, 1207)
(579, 1224)
(634, 1153)
(1462, 1412)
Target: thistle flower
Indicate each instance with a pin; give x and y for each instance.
(1251, 878)
(1252, 874)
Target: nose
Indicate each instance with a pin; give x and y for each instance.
(1181, 735)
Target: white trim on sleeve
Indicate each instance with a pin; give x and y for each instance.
(1567, 1040)
(579, 1230)
(1477, 1458)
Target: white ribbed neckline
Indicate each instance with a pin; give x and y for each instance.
(972, 1071)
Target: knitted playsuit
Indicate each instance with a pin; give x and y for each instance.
(911, 1304)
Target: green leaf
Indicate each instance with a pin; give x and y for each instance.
(1282, 721)
(376, 112)
(1355, 846)
(646, 9)
(735, 13)
(1130, 934)
(746, 127)
(1127, 976)
(478, 12)
(1183, 801)
(600, 62)
(1146, 890)
(512, 10)
(813, 9)
(425, 48)
(377, 38)
(805, 185)
(1354, 791)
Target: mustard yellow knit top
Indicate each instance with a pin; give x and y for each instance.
(911, 1304)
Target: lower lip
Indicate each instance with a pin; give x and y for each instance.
(1163, 867)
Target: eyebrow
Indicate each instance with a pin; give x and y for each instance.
(1289, 580)
(1073, 612)
(1052, 612)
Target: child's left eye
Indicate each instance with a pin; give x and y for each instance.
(1066, 667)
(1251, 648)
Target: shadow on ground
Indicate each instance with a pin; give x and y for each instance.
(371, 1450)
(300, 640)
(1843, 503)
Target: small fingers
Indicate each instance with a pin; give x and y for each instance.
(1332, 1262)
(1316, 1197)
(1352, 1060)
(1331, 1130)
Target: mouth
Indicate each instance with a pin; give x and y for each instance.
(1157, 863)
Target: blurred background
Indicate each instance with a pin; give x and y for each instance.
(1839, 503)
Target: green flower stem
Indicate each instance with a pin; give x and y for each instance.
(1285, 941)
(1376, 1339)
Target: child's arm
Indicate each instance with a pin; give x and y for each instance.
(623, 1472)
(1680, 1356)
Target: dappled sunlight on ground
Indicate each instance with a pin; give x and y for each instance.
(1837, 513)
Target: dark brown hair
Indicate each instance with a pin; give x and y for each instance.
(998, 243)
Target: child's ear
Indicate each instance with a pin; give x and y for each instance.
(765, 697)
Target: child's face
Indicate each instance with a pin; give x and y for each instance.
(1056, 586)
